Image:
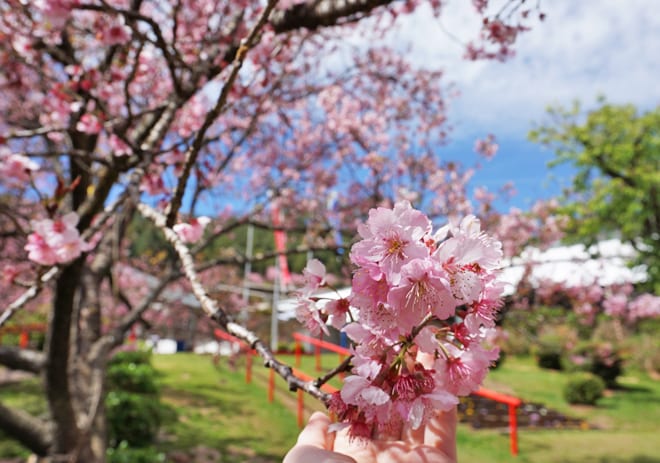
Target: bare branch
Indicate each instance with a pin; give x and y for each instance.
(316, 14)
(116, 336)
(28, 295)
(32, 432)
(22, 359)
(341, 368)
(218, 315)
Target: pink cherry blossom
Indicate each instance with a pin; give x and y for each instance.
(308, 313)
(644, 306)
(39, 251)
(337, 309)
(16, 167)
(615, 305)
(487, 147)
(461, 371)
(89, 123)
(314, 273)
(56, 11)
(391, 238)
(55, 241)
(118, 147)
(113, 31)
(359, 391)
(192, 231)
(424, 288)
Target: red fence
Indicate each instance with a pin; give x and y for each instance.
(511, 402)
(23, 332)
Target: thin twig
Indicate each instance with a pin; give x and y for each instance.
(341, 368)
(28, 295)
(191, 154)
(218, 315)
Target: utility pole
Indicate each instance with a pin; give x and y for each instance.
(246, 272)
(274, 322)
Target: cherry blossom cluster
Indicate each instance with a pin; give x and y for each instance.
(486, 147)
(419, 314)
(192, 231)
(16, 168)
(55, 241)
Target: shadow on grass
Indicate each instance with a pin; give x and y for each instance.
(630, 388)
(233, 449)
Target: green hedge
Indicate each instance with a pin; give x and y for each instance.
(584, 388)
(132, 377)
(134, 411)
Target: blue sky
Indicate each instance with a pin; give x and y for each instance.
(583, 48)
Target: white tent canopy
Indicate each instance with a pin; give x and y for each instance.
(604, 263)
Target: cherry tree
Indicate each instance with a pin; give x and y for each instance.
(200, 116)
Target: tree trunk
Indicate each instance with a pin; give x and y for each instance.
(58, 344)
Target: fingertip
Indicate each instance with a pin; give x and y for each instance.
(319, 417)
(315, 433)
(440, 432)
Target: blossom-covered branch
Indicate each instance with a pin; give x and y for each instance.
(217, 314)
(191, 154)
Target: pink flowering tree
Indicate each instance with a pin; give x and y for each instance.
(579, 306)
(177, 111)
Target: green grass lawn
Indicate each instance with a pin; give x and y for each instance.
(26, 396)
(625, 426)
(217, 409)
(626, 423)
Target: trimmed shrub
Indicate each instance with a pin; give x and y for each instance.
(132, 377)
(134, 418)
(549, 357)
(138, 357)
(584, 388)
(134, 411)
(552, 345)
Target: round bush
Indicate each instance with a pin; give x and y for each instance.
(134, 418)
(132, 377)
(138, 357)
(549, 357)
(584, 388)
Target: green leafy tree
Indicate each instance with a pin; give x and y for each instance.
(615, 150)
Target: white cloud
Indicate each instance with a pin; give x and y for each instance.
(582, 49)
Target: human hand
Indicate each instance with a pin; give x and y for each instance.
(433, 443)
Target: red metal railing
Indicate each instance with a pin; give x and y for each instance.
(23, 332)
(318, 344)
(511, 402)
